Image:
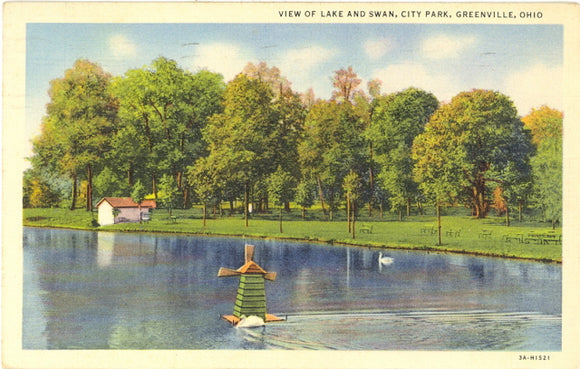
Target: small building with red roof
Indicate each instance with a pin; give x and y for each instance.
(113, 210)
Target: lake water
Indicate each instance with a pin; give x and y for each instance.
(97, 290)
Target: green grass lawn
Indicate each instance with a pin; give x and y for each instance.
(459, 233)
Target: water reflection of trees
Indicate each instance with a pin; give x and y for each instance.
(101, 285)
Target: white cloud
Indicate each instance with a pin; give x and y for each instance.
(225, 58)
(121, 46)
(401, 76)
(445, 46)
(375, 49)
(535, 86)
(300, 67)
(306, 58)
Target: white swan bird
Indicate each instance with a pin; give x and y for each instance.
(385, 260)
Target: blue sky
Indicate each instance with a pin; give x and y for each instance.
(522, 61)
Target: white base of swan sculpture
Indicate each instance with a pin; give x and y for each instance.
(251, 321)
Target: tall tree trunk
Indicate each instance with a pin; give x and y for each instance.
(439, 222)
(89, 187)
(154, 182)
(507, 215)
(280, 219)
(130, 174)
(321, 196)
(246, 197)
(179, 180)
(371, 180)
(354, 219)
(481, 205)
(74, 193)
(520, 210)
(186, 198)
(475, 202)
(408, 207)
(303, 213)
(204, 214)
(348, 213)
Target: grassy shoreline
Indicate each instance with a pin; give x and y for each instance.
(460, 234)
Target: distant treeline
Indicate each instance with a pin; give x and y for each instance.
(190, 137)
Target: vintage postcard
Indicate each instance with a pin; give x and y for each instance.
(290, 185)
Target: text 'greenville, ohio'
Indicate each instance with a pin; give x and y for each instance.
(415, 14)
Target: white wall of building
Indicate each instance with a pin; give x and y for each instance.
(106, 216)
(126, 215)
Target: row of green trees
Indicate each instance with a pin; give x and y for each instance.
(191, 137)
